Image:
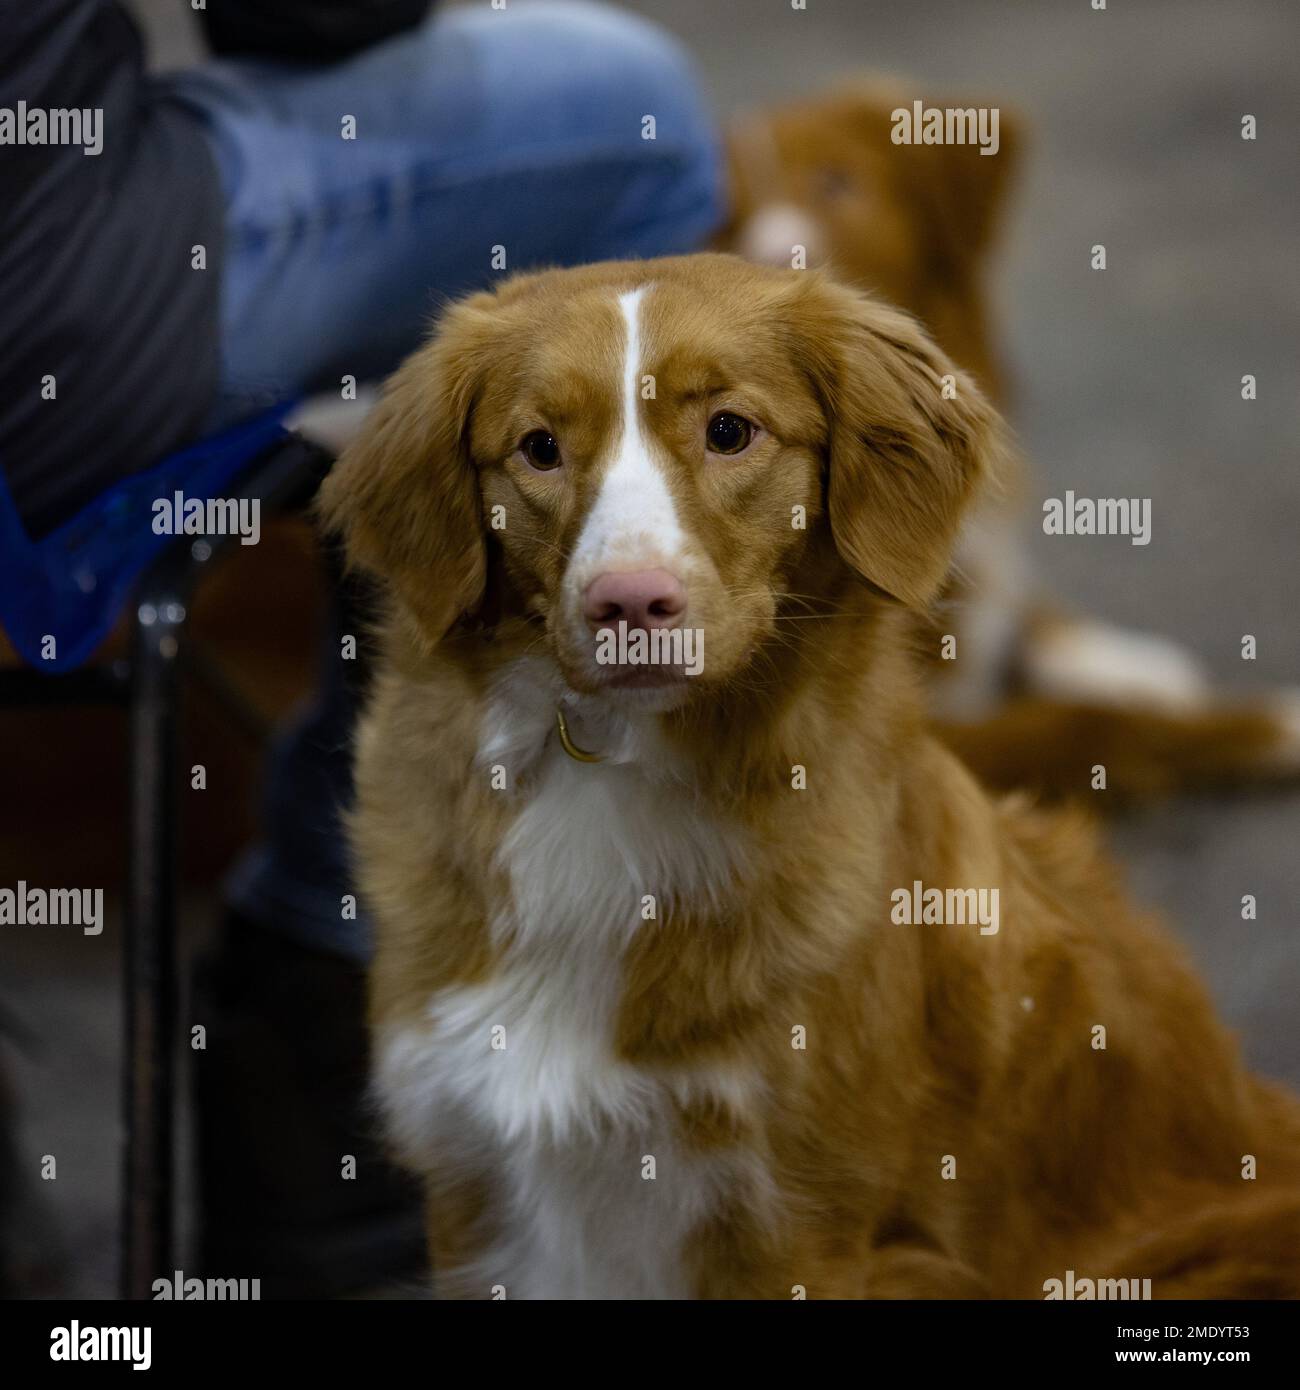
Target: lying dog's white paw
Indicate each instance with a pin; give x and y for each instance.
(1087, 660)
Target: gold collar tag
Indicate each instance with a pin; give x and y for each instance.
(566, 742)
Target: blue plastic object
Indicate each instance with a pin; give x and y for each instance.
(72, 584)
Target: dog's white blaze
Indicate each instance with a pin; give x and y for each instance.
(772, 233)
(633, 523)
(561, 1121)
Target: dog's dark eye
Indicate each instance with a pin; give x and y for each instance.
(541, 450)
(728, 433)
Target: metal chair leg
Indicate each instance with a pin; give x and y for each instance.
(150, 932)
(284, 478)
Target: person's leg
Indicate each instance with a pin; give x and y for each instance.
(486, 142)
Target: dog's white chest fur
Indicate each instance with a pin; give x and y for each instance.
(518, 1075)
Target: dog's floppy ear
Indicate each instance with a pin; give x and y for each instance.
(912, 441)
(961, 193)
(958, 191)
(405, 497)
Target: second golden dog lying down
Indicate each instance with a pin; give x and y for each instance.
(1035, 694)
(653, 1012)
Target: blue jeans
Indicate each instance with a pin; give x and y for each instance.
(522, 129)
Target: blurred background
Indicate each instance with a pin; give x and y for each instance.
(1123, 383)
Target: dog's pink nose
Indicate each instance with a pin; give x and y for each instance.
(642, 598)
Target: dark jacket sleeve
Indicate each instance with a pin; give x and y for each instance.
(315, 29)
(98, 288)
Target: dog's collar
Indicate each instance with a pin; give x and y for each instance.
(566, 742)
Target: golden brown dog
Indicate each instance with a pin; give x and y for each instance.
(713, 974)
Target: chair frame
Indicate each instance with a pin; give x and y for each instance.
(147, 682)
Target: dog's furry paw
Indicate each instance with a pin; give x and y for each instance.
(1081, 659)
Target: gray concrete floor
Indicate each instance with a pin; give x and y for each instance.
(1126, 384)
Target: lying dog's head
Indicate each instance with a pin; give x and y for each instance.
(915, 224)
(684, 446)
